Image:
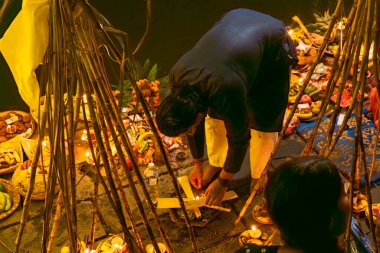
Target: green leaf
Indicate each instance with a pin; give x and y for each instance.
(152, 73)
(164, 79)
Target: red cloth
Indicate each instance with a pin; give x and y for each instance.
(374, 104)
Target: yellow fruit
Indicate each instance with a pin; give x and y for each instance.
(304, 115)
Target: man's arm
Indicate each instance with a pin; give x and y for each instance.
(197, 141)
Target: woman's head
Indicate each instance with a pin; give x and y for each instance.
(304, 198)
(179, 111)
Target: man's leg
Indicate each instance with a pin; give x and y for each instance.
(261, 147)
(216, 142)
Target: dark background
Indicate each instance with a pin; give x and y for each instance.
(176, 26)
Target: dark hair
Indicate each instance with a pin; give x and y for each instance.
(302, 197)
(179, 110)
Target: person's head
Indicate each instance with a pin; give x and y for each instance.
(306, 200)
(180, 112)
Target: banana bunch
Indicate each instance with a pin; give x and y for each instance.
(9, 158)
(298, 35)
(5, 200)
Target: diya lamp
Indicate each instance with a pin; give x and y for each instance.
(150, 249)
(89, 159)
(117, 244)
(250, 236)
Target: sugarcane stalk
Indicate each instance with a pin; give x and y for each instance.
(377, 82)
(118, 182)
(351, 107)
(57, 218)
(347, 59)
(32, 179)
(78, 99)
(125, 166)
(118, 210)
(317, 59)
(127, 145)
(166, 161)
(147, 27)
(352, 18)
(94, 212)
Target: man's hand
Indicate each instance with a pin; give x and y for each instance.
(196, 174)
(215, 193)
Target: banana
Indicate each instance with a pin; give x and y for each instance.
(3, 202)
(304, 115)
(10, 154)
(8, 202)
(12, 161)
(17, 157)
(7, 158)
(315, 110)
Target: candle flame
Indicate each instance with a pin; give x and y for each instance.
(44, 144)
(88, 154)
(253, 228)
(85, 98)
(84, 132)
(290, 32)
(197, 197)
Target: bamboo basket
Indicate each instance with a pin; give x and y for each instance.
(15, 198)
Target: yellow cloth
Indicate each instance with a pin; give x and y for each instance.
(260, 146)
(23, 47)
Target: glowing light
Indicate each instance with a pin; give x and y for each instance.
(253, 228)
(44, 144)
(85, 98)
(197, 197)
(88, 154)
(290, 32)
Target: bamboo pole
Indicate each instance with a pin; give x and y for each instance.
(57, 218)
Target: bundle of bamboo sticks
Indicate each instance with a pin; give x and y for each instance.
(74, 66)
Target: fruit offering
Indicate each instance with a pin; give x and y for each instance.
(14, 123)
(5, 199)
(9, 158)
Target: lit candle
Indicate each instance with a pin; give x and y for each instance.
(85, 98)
(197, 197)
(255, 232)
(88, 158)
(290, 32)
